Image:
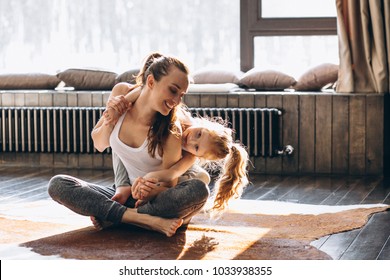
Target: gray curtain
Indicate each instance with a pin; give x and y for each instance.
(364, 45)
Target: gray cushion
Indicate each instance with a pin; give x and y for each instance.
(266, 80)
(317, 77)
(88, 79)
(128, 76)
(28, 81)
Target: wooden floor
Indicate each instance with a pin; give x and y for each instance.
(371, 242)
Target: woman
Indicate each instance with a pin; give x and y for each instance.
(210, 140)
(148, 138)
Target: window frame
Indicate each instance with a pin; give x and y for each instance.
(253, 25)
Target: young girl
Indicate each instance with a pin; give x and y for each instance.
(206, 139)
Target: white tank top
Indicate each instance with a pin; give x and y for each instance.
(137, 161)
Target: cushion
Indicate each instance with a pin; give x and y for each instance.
(88, 79)
(210, 76)
(317, 77)
(266, 80)
(213, 88)
(128, 76)
(28, 81)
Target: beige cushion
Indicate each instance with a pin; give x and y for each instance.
(88, 79)
(317, 77)
(213, 88)
(266, 80)
(211, 76)
(28, 81)
(128, 76)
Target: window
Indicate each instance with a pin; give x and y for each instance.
(298, 8)
(288, 35)
(49, 35)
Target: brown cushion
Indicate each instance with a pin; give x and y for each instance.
(211, 76)
(28, 81)
(88, 79)
(317, 77)
(128, 76)
(266, 80)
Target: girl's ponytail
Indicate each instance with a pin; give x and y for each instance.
(233, 179)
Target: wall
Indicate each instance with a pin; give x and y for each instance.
(331, 133)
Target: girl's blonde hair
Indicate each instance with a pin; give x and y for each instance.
(232, 158)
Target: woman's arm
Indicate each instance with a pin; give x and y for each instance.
(130, 91)
(102, 130)
(123, 95)
(122, 181)
(120, 172)
(101, 134)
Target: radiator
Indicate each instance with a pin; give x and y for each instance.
(48, 129)
(256, 128)
(68, 129)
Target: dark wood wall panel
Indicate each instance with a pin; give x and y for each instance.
(323, 134)
(274, 164)
(192, 100)
(306, 148)
(374, 131)
(290, 124)
(357, 135)
(207, 100)
(340, 135)
(221, 101)
(330, 133)
(259, 162)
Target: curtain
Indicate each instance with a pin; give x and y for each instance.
(364, 45)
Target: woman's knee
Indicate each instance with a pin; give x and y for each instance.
(195, 172)
(56, 185)
(200, 189)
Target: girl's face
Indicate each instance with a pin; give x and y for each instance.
(169, 91)
(196, 140)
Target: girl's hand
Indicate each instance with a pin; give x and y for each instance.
(146, 189)
(119, 104)
(111, 116)
(116, 106)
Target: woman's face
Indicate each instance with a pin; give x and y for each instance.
(169, 91)
(195, 140)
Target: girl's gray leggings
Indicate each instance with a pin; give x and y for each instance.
(87, 199)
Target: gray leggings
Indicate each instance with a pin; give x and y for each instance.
(87, 199)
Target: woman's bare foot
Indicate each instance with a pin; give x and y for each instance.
(171, 226)
(164, 226)
(186, 221)
(99, 224)
(146, 221)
